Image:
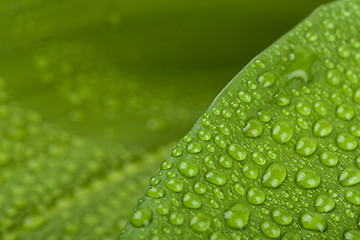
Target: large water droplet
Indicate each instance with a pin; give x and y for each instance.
(237, 152)
(324, 203)
(215, 178)
(308, 178)
(270, 229)
(349, 177)
(303, 108)
(323, 128)
(237, 216)
(352, 235)
(155, 192)
(329, 159)
(174, 185)
(305, 146)
(200, 222)
(225, 161)
(188, 169)
(191, 200)
(253, 128)
(255, 196)
(176, 219)
(345, 112)
(267, 79)
(333, 77)
(282, 131)
(258, 158)
(313, 221)
(353, 196)
(346, 141)
(281, 216)
(250, 171)
(141, 217)
(274, 175)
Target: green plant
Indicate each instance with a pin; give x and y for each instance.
(276, 154)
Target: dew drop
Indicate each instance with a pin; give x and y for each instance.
(333, 77)
(200, 222)
(225, 161)
(313, 221)
(324, 203)
(216, 178)
(305, 146)
(176, 219)
(281, 216)
(303, 108)
(204, 136)
(174, 185)
(220, 141)
(237, 216)
(282, 131)
(191, 200)
(352, 235)
(255, 196)
(250, 171)
(155, 192)
(281, 98)
(323, 128)
(188, 169)
(345, 112)
(274, 175)
(353, 196)
(346, 141)
(253, 128)
(141, 217)
(329, 159)
(308, 178)
(258, 158)
(237, 152)
(267, 79)
(270, 229)
(349, 177)
(356, 96)
(264, 116)
(200, 188)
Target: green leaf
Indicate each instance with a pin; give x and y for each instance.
(275, 155)
(92, 93)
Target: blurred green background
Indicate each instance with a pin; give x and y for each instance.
(94, 94)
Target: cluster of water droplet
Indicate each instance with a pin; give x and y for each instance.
(276, 156)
